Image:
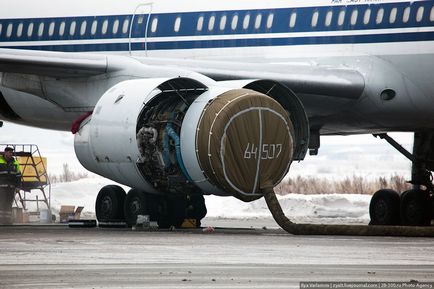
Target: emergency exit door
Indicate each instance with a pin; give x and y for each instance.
(139, 26)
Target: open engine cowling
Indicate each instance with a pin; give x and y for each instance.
(180, 136)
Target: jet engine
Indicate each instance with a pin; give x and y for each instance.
(180, 136)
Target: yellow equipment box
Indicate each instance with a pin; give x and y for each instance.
(31, 169)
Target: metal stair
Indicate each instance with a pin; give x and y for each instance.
(35, 184)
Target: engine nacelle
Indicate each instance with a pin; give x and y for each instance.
(180, 136)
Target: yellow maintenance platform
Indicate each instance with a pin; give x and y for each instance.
(34, 192)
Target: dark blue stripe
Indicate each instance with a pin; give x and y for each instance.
(379, 38)
(189, 21)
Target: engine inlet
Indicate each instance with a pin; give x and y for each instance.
(244, 142)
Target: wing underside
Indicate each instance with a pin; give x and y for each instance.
(68, 79)
(55, 64)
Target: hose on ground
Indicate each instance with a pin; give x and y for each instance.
(347, 230)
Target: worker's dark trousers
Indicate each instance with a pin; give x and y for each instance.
(6, 198)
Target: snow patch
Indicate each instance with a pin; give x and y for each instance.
(79, 193)
(327, 208)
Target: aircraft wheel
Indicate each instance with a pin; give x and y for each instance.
(110, 203)
(197, 208)
(174, 212)
(135, 204)
(415, 208)
(178, 207)
(384, 208)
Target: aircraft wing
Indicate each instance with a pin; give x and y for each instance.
(54, 64)
(302, 77)
(322, 89)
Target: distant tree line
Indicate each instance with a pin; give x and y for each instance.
(67, 175)
(349, 185)
(296, 185)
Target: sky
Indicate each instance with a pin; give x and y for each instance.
(339, 156)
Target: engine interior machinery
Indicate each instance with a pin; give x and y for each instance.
(177, 139)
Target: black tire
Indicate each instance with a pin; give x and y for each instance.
(177, 213)
(415, 208)
(164, 221)
(384, 208)
(197, 209)
(173, 211)
(109, 205)
(135, 204)
(154, 206)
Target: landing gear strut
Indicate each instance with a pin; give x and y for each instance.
(414, 207)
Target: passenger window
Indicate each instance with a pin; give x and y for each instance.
(115, 27)
(20, 30)
(83, 27)
(177, 24)
(341, 17)
(246, 21)
(41, 29)
(126, 25)
(258, 21)
(380, 16)
(1, 27)
(72, 28)
(211, 23)
(234, 23)
(354, 17)
(270, 19)
(293, 19)
(315, 17)
(104, 27)
(62, 28)
(406, 15)
(51, 29)
(431, 15)
(154, 25)
(392, 16)
(367, 16)
(140, 19)
(199, 25)
(9, 30)
(29, 29)
(94, 27)
(329, 17)
(223, 22)
(419, 14)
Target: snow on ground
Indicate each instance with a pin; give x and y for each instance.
(330, 208)
(327, 208)
(78, 193)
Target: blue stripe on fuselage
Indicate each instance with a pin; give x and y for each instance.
(189, 20)
(377, 38)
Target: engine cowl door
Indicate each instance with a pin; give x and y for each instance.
(106, 144)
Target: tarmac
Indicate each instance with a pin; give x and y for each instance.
(56, 256)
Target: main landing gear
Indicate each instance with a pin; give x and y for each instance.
(414, 207)
(113, 205)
